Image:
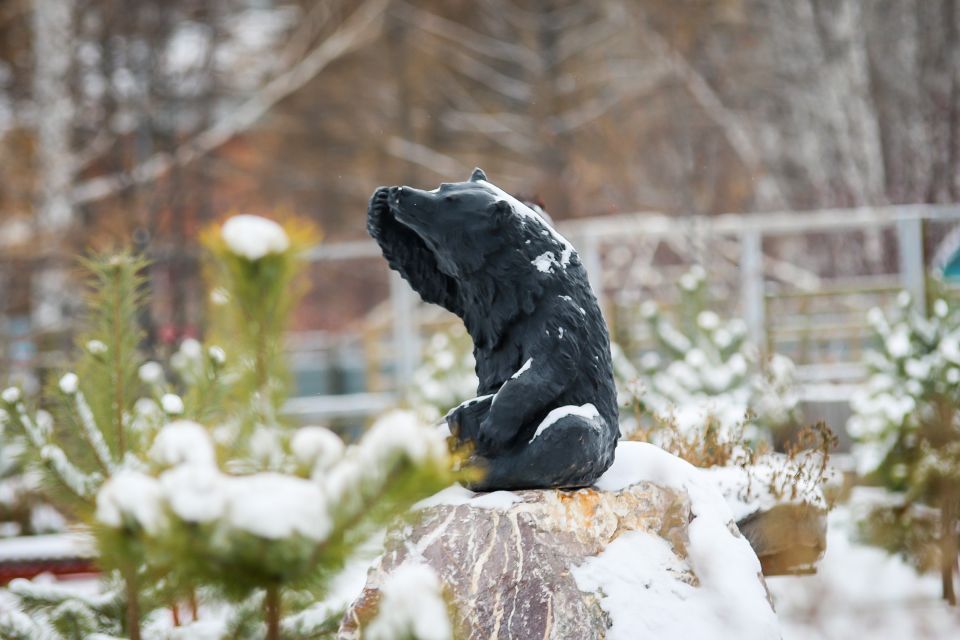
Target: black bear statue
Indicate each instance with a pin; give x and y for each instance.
(545, 415)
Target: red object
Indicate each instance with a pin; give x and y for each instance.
(68, 567)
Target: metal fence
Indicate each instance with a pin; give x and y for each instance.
(802, 281)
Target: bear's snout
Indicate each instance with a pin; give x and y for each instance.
(411, 205)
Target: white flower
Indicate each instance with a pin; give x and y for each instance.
(10, 395)
(217, 355)
(648, 309)
(253, 237)
(903, 299)
(151, 373)
(96, 347)
(69, 383)
(172, 404)
(219, 296)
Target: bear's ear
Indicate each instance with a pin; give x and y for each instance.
(500, 211)
(478, 174)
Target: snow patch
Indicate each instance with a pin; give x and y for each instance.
(69, 383)
(253, 237)
(526, 365)
(182, 441)
(585, 411)
(412, 606)
(544, 262)
(172, 403)
(730, 600)
(456, 495)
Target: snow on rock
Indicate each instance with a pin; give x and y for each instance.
(650, 551)
(253, 237)
(730, 601)
(457, 494)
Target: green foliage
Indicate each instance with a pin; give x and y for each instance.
(907, 424)
(193, 484)
(705, 366)
(446, 375)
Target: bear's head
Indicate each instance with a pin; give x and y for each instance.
(462, 223)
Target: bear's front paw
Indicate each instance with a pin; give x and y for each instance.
(378, 209)
(464, 421)
(493, 438)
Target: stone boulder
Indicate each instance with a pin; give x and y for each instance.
(650, 551)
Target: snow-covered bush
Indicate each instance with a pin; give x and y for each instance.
(23, 509)
(907, 424)
(705, 366)
(193, 486)
(446, 375)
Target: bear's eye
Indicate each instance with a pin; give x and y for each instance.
(451, 198)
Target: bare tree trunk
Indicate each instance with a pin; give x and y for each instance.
(53, 51)
(271, 606)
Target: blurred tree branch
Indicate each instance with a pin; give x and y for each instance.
(357, 29)
(769, 194)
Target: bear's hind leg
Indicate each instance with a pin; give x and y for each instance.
(573, 451)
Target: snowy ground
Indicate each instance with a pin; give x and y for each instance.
(861, 592)
(858, 592)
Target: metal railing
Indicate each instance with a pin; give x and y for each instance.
(762, 279)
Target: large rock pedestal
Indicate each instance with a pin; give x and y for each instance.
(652, 551)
